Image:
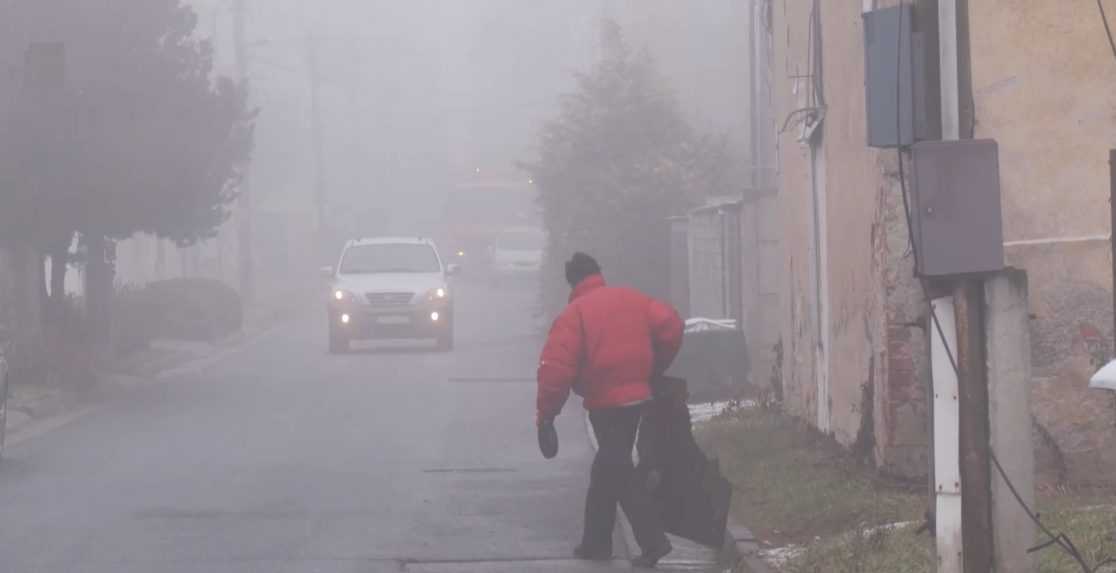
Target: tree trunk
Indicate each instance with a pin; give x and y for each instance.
(98, 294)
(59, 263)
(29, 288)
(56, 356)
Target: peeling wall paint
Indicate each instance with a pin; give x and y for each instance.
(870, 286)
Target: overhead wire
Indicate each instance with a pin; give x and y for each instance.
(1107, 27)
(1060, 539)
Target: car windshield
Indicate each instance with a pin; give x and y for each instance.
(390, 258)
(521, 241)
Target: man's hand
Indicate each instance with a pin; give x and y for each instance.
(654, 480)
(548, 436)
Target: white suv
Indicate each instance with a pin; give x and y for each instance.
(390, 287)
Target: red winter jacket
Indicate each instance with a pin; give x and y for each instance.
(606, 345)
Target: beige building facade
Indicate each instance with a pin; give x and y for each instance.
(853, 327)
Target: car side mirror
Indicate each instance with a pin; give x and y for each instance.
(453, 269)
(327, 272)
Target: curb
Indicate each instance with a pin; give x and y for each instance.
(742, 549)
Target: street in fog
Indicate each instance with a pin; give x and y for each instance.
(281, 457)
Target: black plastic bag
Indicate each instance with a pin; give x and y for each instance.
(690, 493)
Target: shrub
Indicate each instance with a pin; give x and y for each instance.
(133, 327)
(195, 308)
(176, 309)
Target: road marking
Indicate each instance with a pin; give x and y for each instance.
(469, 471)
(490, 380)
(509, 565)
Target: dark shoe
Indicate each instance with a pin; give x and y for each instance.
(595, 554)
(650, 558)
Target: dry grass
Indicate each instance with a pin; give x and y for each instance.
(796, 488)
(1089, 519)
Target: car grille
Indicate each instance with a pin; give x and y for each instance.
(390, 298)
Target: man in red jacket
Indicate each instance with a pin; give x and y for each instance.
(607, 346)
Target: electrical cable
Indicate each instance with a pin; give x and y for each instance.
(1062, 540)
(1107, 28)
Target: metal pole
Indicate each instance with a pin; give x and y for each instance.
(953, 544)
(316, 130)
(949, 545)
(244, 214)
(753, 80)
(950, 78)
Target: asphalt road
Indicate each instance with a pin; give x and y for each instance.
(282, 458)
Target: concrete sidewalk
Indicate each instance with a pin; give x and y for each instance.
(34, 409)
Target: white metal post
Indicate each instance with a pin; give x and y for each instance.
(947, 466)
(947, 54)
(947, 416)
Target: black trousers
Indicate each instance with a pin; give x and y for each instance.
(614, 481)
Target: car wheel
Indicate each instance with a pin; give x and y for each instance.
(445, 338)
(338, 343)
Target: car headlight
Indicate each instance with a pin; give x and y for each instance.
(440, 293)
(340, 295)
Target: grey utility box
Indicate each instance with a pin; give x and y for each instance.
(957, 216)
(901, 79)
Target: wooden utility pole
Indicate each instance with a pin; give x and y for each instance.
(246, 263)
(976, 469)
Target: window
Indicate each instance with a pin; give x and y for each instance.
(390, 258)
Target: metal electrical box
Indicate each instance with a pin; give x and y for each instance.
(901, 79)
(956, 214)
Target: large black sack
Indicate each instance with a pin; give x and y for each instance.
(713, 364)
(690, 494)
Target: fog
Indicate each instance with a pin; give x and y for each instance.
(454, 286)
(415, 96)
(276, 277)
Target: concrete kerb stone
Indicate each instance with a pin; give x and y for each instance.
(741, 549)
